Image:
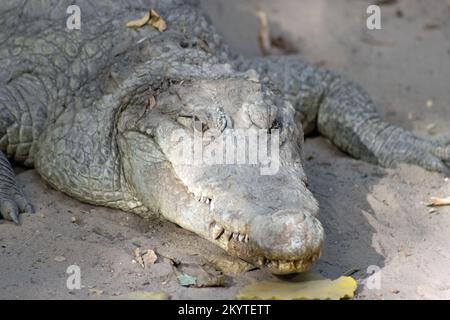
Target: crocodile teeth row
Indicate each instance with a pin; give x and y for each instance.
(218, 231)
(276, 263)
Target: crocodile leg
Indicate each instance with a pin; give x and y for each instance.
(347, 116)
(12, 199)
(344, 113)
(19, 128)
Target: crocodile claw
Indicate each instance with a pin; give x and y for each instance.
(12, 200)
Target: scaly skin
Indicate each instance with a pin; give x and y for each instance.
(96, 112)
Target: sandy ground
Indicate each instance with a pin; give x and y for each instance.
(372, 216)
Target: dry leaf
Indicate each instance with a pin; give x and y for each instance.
(149, 258)
(268, 42)
(264, 33)
(311, 287)
(152, 18)
(139, 22)
(438, 202)
(145, 259)
(156, 21)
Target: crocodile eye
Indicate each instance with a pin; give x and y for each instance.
(192, 122)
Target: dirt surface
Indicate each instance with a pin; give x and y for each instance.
(372, 216)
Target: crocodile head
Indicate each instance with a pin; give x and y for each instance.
(190, 155)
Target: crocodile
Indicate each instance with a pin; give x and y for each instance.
(95, 112)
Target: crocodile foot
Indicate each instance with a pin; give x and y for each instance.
(433, 155)
(12, 200)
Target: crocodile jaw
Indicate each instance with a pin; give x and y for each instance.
(269, 221)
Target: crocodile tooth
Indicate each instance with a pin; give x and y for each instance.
(241, 237)
(246, 238)
(235, 236)
(198, 198)
(261, 261)
(217, 231)
(227, 234)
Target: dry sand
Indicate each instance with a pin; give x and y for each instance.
(372, 216)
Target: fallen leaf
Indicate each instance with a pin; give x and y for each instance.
(438, 202)
(264, 32)
(199, 276)
(139, 22)
(146, 258)
(310, 287)
(156, 21)
(152, 18)
(185, 280)
(143, 295)
(149, 258)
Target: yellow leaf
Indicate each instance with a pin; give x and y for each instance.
(306, 287)
(143, 295)
(156, 21)
(152, 18)
(139, 22)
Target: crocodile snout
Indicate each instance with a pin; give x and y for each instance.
(286, 241)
